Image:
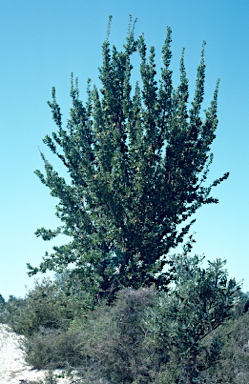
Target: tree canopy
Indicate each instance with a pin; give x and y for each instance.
(137, 155)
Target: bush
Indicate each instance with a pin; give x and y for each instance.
(10, 310)
(233, 363)
(117, 337)
(47, 305)
(53, 348)
(113, 342)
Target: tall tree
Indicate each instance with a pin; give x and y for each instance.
(137, 158)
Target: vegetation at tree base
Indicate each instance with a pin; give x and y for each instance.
(196, 332)
(137, 159)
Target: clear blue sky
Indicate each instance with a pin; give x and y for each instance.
(42, 42)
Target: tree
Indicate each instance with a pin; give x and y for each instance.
(137, 159)
(199, 303)
(2, 301)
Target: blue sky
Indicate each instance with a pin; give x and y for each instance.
(42, 42)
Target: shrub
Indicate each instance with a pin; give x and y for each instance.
(201, 301)
(53, 348)
(118, 339)
(233, 363)
(47, 305)
(10, 310)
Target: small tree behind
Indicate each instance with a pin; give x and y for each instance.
(137, 158)
(2, 301)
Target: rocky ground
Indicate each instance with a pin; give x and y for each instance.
(13, 369)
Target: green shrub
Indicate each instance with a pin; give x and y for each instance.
(233, 363)
(10, 310)
(47, 305)
(118, 338)
(53, 348)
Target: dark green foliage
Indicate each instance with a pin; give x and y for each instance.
(200, 302)
(136, 157)
(46, 306)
